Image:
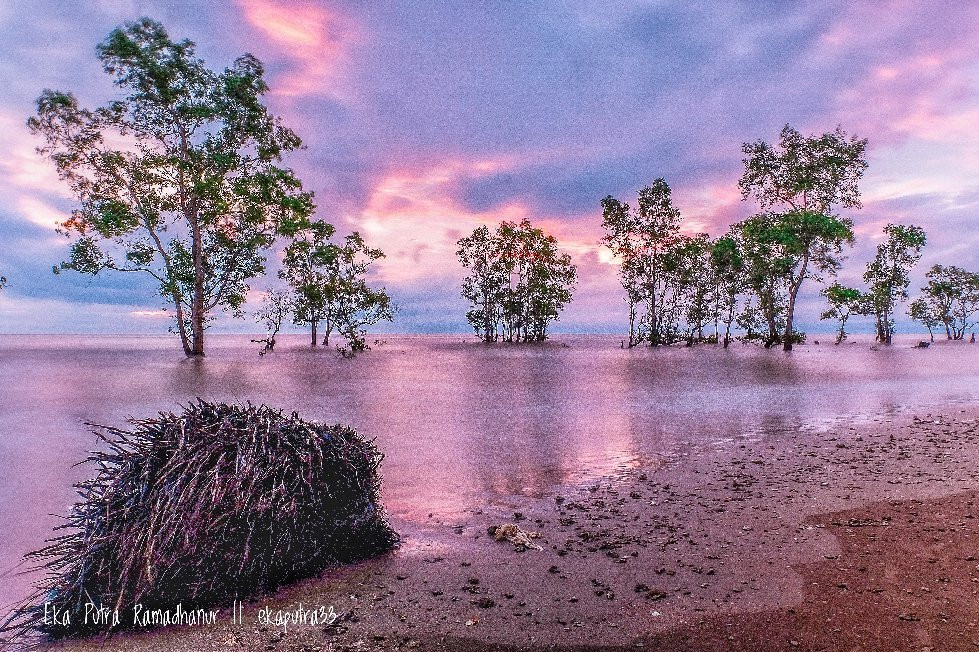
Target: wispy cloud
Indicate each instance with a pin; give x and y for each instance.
(315, 40)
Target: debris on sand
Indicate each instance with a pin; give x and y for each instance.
(521, 539)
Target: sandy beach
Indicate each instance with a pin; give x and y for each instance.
(860, 535)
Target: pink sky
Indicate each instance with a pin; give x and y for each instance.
(425, 121)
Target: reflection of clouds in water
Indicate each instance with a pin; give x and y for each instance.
(518, 403)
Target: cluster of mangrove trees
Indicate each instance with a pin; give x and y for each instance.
(692, 288)
(182, 180)
(518, 281)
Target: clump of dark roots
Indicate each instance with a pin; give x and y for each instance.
(216, 503)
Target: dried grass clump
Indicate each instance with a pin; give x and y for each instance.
(215, 503)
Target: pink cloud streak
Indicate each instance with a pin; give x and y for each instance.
(316, 40)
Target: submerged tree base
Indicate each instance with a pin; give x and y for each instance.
(219, 502)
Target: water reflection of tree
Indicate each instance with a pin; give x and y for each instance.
(682, 400)
(521, 435)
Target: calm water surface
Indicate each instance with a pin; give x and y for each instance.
(460, 423)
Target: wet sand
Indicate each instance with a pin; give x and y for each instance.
(860, 536)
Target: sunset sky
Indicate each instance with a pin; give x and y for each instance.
(423, 120)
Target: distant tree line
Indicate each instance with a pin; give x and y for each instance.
(182, 180)
(949, 300)
(694, 289)
(691, 288)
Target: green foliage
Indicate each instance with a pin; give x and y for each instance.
(329, 285)
(488, 282)
(666, 275)
(179, 179)
(804, 179)
(699, 285)
(888, 274)
(276, 307)
(307, 264)
(766, 273)
(677, 284)
(950, 299)
(728, 267)
(518, 282)
(779, 251)
(86, 257)
(843, 302)
(751, 321)
(927, 313)
(357, 304)
(805, 174)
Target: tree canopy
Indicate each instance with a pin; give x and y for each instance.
(889, 274)
(843, 303)
(518, 282)
(276, 307)
(329, 284)
(180, 179)
(950, 299)
(656, 266)
(802, 181)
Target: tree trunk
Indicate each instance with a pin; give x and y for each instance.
(197, 304)
(181, 326)
(767, 305)
(790, 309)
(312, 332)
(772, 338)
(729, 320)
(789, 318)
(190, 210)
(175, 294)
(197, 326)
(717, 319)
(488, 323)
(632, 324)
(653, 318)
(787, 342)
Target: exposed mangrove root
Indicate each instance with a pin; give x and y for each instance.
(199, 508)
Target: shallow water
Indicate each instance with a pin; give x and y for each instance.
(460, 423)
